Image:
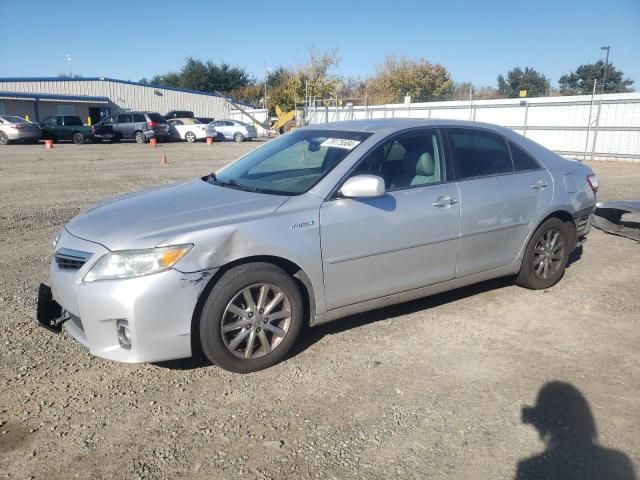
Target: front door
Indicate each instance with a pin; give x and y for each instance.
(404, 240)
(499, 202)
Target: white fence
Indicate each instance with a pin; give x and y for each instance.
(571, 126)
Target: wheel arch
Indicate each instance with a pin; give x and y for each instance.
(297, 273)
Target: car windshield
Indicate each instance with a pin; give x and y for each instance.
(290, 164)
(12, 119)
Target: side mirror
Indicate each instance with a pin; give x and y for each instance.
(363, 186)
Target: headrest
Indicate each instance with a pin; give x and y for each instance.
(422, 165)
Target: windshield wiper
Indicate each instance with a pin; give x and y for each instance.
(233, 183)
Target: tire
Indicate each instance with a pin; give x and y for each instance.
(4, 139)
(190, 137)
(238, 137)
(547, 254)
(227, 299)
(78, 138)
(139, 137)
(289, 126)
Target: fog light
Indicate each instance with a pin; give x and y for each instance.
(124, 335)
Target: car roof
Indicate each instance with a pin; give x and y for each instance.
(382, 125)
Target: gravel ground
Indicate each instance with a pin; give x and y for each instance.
(427, 389)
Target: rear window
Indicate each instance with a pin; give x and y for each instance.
(156, 117)
(72, 121)
(478, 153)
(138, 117)
(521, 159)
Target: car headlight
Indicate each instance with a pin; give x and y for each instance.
(55, 241)
(136, 263)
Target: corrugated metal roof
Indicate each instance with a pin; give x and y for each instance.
(48, 96)
(126, 82)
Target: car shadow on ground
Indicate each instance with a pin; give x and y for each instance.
(312, 335)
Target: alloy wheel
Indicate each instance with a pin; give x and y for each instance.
(256, 321)
(548, 254)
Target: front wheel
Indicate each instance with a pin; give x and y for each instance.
(251, 318)
(547, 254)
(4, 139)
(78, 138)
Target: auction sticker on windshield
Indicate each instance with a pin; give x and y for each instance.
(340, 143)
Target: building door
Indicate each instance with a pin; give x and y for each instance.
(94, 115)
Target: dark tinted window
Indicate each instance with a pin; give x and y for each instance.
(521, 159)
(156, 117)
(126, 118)
(72, 121)
(479, 153)
(406, 160)
(138, 117)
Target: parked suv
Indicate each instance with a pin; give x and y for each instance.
(317, 224)
(65, 127)
(140, 126)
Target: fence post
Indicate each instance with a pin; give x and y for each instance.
(586, 142)
(595, 128)
(526, 117)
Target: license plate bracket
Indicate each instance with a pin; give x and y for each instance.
(49, 312)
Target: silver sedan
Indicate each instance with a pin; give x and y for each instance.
(14, 128)
(234, 130)
(316, 225)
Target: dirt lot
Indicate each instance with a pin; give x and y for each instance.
(427, 389)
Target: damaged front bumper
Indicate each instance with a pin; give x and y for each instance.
(608, 217)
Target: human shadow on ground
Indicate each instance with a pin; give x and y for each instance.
(564, 421)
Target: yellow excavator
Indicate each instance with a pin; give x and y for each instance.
(285, 122)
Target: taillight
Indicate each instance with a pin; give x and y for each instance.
(152, 124)
(593, 182)
(20, 126)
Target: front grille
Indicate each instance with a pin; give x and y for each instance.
(68, 259)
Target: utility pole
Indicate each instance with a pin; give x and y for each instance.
(69, 63)
(606, 64)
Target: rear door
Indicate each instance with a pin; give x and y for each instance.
(406, 239)
(124, 125)
(498, 205)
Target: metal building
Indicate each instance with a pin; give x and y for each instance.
(94, 98)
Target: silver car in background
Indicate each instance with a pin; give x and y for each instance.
(315, 225)
(234, 130)
(14, 128)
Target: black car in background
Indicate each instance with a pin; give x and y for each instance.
(178, 114)
(140, 126)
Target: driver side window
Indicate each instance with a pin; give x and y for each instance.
(407, 160)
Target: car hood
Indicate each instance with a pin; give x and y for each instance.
(168, 214)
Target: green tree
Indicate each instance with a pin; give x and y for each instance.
(536, 84)
(400, 76)
(581, 81)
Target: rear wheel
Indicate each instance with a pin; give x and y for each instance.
(4, 139)
(140, 138)
(190, 137)
(78, 138)
(251, 318)
(238, 137)
(290, 125)
(547, 254)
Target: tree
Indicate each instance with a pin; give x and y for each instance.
(400, 76)
(581, 81)
(205, 76)
(536, 84)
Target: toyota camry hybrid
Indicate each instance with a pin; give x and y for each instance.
(315, 225)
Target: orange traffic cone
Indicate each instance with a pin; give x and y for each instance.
(152, 142)
(48, 144)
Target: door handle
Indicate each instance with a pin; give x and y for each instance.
(445, 201)
(539, 185)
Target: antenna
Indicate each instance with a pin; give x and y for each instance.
(69, 63)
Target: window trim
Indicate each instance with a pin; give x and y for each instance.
(483, 130)
(334, 194)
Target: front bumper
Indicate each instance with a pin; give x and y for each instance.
(158, 308)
